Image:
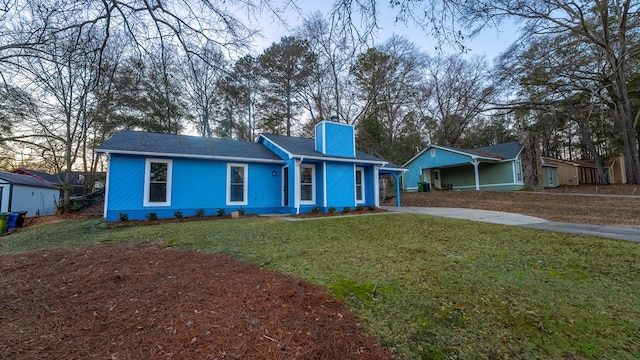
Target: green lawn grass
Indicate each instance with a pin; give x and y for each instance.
(427, 287)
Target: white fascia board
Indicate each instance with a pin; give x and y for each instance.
(262, 136)
(519, 152)
(352, 160)
(190, 156)
(394, 169)
(342, 124)
(479, 157)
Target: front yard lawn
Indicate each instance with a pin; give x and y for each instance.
(426, 287)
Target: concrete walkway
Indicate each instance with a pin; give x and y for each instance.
(503, 218)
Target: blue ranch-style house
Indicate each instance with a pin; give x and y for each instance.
(164, 174)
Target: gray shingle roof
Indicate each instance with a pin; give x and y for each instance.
(39, 174)
(299, 146)
(393, 167)
(183, 145)
(508, 150)
(470, 152)
(25, 180)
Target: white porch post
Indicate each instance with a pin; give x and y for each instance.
(376, 185)
(475, 164)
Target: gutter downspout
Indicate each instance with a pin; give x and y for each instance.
(475, 164)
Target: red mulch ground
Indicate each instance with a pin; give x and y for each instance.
(143, 302)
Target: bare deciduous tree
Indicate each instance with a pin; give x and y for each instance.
(611, 26)
(201, 75)
(461, 91)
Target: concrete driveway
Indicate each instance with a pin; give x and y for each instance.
(497, 217)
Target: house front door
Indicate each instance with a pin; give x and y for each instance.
(285, 186)
(436, 179)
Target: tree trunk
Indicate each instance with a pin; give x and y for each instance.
(531, 164)
(620, 95)
(288, 113)
(629, 142)
(587, 138)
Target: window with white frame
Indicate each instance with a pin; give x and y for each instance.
(237, 184)
(359, 185)
(157, 182)
(307, 183)
(518, 171)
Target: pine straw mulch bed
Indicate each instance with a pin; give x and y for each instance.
(144, 302)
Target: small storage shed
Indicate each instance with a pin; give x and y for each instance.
(25, 193)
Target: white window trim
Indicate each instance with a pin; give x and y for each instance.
(282, 185)
(245, 185)
(362, 189)
(517, 167)
(313, 184)
(324, 184)
(147, 182)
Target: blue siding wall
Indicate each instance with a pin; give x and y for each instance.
(319, 136)
(341, 191)
(320, 185)
(339, 138)
(442, 158)
(369, 186)
(196, 184)
(126, 185)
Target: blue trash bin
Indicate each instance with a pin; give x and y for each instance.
(12, 221)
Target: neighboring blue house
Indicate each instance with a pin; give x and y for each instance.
(162, 173)
(496, 167)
